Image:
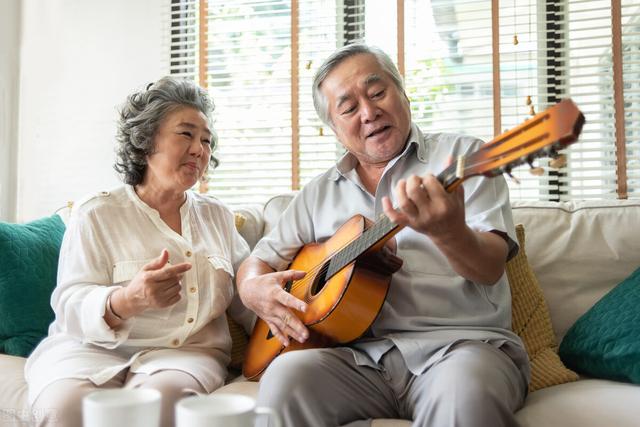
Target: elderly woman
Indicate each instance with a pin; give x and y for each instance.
(145, 272)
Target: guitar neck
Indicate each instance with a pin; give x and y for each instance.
(382, 230)
(542, 135)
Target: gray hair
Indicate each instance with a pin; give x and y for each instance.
(320, 101)
(140, 118)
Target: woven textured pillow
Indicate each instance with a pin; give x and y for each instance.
(605, 341)
(239, 338)
(28, 268)
(530, 320)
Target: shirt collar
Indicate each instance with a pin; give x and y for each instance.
(416, 139)
(131, 192)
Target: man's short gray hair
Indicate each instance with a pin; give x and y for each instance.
(141, 115)
(320, 101)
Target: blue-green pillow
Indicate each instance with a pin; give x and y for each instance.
(28, 267)
(605, 341)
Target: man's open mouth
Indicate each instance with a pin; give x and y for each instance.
(378, 131)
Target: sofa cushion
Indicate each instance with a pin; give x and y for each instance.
(530, 320)
(14, 410)
(584, 403)
(28, 268)
(605, 342)
(579, 251)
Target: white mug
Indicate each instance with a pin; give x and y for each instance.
(121, 407)
(221, 409)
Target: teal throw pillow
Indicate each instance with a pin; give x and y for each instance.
(605, 341)
(28, 269)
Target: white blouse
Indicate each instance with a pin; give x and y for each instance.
(110, 236)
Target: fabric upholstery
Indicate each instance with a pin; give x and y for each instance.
(530, 320)
(579, 251)
(605, 341)
(28, 269)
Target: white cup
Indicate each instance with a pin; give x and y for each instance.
(121, 407)
(221, 410)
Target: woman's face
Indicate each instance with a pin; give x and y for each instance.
(182, 148)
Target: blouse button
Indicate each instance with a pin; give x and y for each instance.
(175, 342)
(192, 290)
(190, 320)
(188, 253)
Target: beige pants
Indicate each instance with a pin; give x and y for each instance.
(60, 403)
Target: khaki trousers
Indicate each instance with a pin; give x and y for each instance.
(473, 384)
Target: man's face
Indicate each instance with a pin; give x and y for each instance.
(370, 115)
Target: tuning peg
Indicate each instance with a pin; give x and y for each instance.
(535, 171)
(559, 161)
(528, 101)
(515, 39)
(320, 131)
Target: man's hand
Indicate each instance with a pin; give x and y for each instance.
(261, 291)
(157, 285)
(427, 207)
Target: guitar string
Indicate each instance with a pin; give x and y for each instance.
(323, 268)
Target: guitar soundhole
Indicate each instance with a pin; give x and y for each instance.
(320, 279)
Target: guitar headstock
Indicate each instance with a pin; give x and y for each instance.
(543, 135)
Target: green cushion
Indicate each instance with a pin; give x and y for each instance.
(28, 268)
(605, 341)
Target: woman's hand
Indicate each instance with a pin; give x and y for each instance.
(157, 285)
(261, 290)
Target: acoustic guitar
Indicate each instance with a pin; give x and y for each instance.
(348, 276)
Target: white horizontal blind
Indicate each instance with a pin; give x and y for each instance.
(631, 79)
(324, 25)
(249, 74)
(529, 67)
(448, 65)
(588, 80)
(564, 50)
(183, 42)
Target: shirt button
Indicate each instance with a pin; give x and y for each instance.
(175, 342)
(192, 290)
(190, 320)
(188, 253)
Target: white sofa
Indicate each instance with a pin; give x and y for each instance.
(578, 250)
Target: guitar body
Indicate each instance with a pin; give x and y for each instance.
(339, 309)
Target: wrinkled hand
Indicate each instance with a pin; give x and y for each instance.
(157, 285)
(265, 296)
(425, 206)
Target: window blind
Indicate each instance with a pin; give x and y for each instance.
(448, 64)
(630, 11)
(261, 56)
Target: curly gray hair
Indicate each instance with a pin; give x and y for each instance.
(320, 101)
(141, 116)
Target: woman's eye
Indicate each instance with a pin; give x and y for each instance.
(378, 94)
(187, 134)
(206, 141)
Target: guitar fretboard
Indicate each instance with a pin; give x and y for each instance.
(378, 231)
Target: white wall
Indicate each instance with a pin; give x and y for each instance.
(9, 69)
(79, 59)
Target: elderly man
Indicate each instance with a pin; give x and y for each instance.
(441, 352)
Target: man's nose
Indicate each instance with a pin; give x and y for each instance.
(369, 111)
